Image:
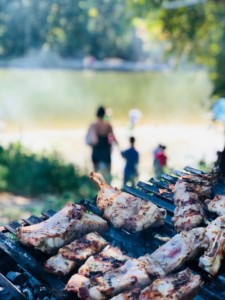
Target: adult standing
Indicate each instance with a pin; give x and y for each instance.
(221, 161)
(102, 148)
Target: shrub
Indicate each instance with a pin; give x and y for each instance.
(25, 173)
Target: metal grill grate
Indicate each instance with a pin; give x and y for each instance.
(135, 245)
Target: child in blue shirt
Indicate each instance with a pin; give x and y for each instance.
(131, 156)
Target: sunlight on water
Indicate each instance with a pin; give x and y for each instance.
(51, 109)
(61, 98)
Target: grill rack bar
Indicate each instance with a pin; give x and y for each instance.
(54, 284)
(11, 288)
(26, 261)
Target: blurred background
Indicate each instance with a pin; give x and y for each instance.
(61, 59)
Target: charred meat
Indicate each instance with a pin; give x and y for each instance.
(216, 205)
(124, 210)
(212, 258)
(189, 212)
(75, 253)
(110, 258)
(71, 222)
(181, 286)
(173, 254)
(129, 276)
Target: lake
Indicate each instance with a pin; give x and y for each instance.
(61, 98)
(51, 109)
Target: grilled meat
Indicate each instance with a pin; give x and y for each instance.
(189, 212)
(204, 179)
(69, 223)
(190, 191)
(131, 295)
(217, 205)
(79, 284)
(84, 247)
(130, 275)
(76, 252)
(124, 210)
(211, 260)
(173, 254)
(110, 258)
(59, 265)
(181, 286)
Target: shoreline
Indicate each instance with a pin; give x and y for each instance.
(186, 144)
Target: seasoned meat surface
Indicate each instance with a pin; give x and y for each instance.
(131, 275)
(216, 205)
(124, 210)
(189, 212)
(75, 253)
(110, 258)
(212, 258)
(180, 286)
(173, 254)
(190, 191)
(71, 222)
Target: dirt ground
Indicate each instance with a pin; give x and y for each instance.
(14, 207)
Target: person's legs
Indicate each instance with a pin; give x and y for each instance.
(125, 179)
(104, 169)
(157, 169)
(132, 179)
(95, 164)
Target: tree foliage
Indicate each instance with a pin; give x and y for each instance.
(197, 32)
(72, 28)
(78, 28)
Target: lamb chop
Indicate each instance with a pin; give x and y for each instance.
(189, 212)
(131, 295)
(110, 258)
(130, 275)
(190, 191)
(216, 205)
(71, 222)
(181, 286)
(124, 210)
(173, 254)
(75, 253)
(205, 179)
(211, 260)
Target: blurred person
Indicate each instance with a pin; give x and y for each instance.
(134, 116)
(159, 160)
(155, 161)
(221, 161)
(131, 156)
(102, 140)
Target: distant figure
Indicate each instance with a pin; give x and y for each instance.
(131, 156)
(102, 137)
(218, 159)
(159, 160)
(221, 161)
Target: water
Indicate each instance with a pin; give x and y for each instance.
(51, 109)
(62, 98)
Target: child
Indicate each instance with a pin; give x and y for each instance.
(132, 158)
(160, 160)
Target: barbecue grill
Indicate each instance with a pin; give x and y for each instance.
(21, 273)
